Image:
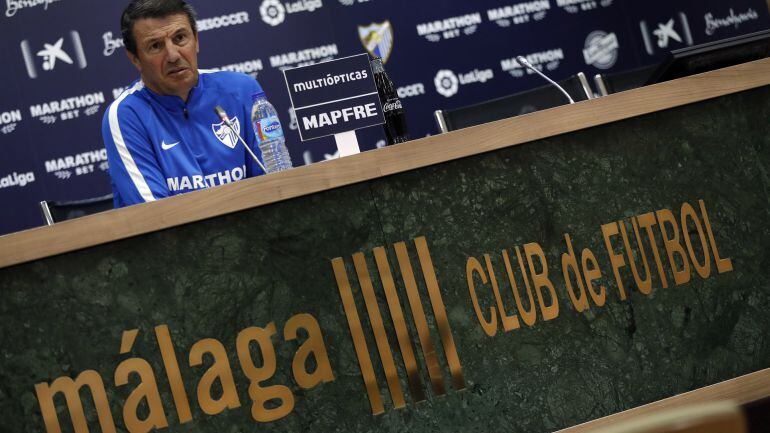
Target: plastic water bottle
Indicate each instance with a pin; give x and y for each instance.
(269, 132)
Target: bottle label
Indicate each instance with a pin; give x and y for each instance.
(269, 128)
(392, 105)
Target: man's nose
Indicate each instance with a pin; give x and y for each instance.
(172, 52)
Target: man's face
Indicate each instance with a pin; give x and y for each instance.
(167, 54)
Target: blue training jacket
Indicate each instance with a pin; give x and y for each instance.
(158, 146)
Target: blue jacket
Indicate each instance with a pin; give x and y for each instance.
(158, 146)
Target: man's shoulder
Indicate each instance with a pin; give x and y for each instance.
(129, 100)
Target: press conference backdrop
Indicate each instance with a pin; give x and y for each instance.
(63, 64)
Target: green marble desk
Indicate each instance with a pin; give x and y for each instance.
(374, 293)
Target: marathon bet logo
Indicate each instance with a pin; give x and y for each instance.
(575, 6)
(601, 49)
(519, 13)
(550, 60)
(713, 24)
(448, 83)
(17, 179)
(304, 57)
(274, 12)
(67, 108)
(13, 6)
(79, 164)
(250, 67)
(448, 28)
(53, 54)
(9, 121)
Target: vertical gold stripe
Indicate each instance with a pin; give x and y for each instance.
(439, 311)
(378, 327)
(434, 369)
(402, 333)
(359, 342)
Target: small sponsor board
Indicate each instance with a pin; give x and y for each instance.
(334, 97)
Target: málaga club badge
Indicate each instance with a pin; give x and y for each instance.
(377, 39)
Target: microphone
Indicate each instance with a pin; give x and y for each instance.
(226, 119)
(529, 66)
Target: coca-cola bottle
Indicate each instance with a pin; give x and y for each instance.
(395, 118)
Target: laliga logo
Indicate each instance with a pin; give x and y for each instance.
(17, 179)
(446, 83)
(272, 12)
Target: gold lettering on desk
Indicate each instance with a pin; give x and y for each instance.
(677, 235)
(143, 409)
(548, 305)
(405, 343)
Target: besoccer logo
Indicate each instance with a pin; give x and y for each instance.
(446, 83)
(273, 12)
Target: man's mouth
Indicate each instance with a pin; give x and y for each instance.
(177, 71)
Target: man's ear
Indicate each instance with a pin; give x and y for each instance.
(134, 60)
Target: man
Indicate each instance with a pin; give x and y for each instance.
(162, 134)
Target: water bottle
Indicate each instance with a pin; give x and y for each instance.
(267, 128)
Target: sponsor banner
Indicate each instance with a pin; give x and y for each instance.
(80, 164)
(15, 179)
(67, 108)
(519, 13)
(448, 83)
(304, 57)
(548, 60)
(671, 33)
(274, 12)
(9, 121)
(601, 49)
(250, 67)
(448, 28)
(111, 43)
(12, 7)
(352, 2)
(57, 50)
(732, 19)
(114, 41)
(410, 90)
(577, 6)
(334, 97)
(65, 51)
(229, 20)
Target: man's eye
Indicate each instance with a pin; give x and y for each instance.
(155, 46)
(180, 38)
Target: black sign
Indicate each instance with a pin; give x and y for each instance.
(334, 97)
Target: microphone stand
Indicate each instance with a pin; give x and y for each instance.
(524, 62)
(223, 115)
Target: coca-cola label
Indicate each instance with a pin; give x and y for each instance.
(392, 105)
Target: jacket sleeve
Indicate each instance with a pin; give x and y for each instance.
(134, 169)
